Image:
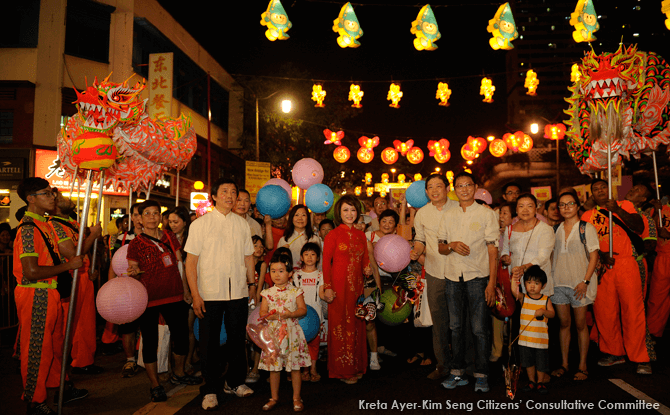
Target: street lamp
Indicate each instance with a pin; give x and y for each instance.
(534, 128)
(393, 171)
(286, 108)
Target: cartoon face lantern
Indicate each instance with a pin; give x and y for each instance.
(665, 8)
(487, 89)
(443, 94)
(503, 28)
(585, 21)
(394, 96)
(318, 95)
(356, 95)
(531, 83)
(276, 20)
(347, 26)
(425, 29)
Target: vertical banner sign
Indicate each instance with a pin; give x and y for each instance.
(257, 173)
(160, 85)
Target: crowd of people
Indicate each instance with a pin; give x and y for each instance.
(217, 268)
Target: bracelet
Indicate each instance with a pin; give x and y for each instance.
(251, 284)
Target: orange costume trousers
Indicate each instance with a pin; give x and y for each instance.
(658, 306)
(41, 340)
(83, 323)
(619, 312)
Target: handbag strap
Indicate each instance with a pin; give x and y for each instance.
(635, 239)
(54, 257)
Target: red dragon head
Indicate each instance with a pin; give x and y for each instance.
(102, 106)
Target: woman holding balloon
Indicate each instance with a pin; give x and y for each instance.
(345, 264)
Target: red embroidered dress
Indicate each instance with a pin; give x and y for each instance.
(345, 254)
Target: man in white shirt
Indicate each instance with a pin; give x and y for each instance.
(220, 273)
(380, 206)
(426, 224)
(242, 209)
(468, 238)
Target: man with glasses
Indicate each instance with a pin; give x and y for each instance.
(380, 205)
(38, 302)
(468, 237)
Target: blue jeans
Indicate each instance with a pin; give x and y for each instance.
(469, 294)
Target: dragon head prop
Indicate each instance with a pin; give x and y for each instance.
(622, 99)
(112, 132)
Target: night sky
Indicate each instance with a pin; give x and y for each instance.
(232, 33)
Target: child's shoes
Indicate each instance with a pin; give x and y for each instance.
(529, 387)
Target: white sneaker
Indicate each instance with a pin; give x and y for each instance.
(374, 363)
(210, 402)
(241, 391)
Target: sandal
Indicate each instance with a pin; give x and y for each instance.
(298, 405)
(581, 375)
(305, 377)
(416, 358)
(270, 405)
(426, 362)
(542, 389)
(559, 372)
(315, 377)
(529, 387)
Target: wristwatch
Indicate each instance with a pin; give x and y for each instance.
(587, 282)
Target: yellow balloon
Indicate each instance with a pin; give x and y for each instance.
(452, 195)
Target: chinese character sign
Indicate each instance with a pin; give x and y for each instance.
(160, 85)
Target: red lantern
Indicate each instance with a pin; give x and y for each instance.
(477, 144)
(415, 155)
(468, 153)
(389, 155)
(365, 155)
(443, 157)
(526, 144)
(512, 141)
(440, 146)
(403, 148)
(554, 131)
(498, 147)
(341, 154)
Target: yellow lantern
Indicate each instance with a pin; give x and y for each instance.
(370, 191)
(487, 89)
(531, 83)
(382, 193)
(401, 178)
(450, 176)
(665, 8)
(498, 147)
(575, 75)
(385, 178)
(198, 185)
(394, 96)
(368, 178)
(417, 177)
(356, 95)
(443, 94)
(318, 95)
(357, 191)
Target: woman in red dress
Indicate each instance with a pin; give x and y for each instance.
(345, 262)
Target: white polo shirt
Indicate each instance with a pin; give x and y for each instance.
(474, 227)
(221, 242)
(426, 225)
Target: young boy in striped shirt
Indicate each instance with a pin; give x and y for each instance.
(533, 329)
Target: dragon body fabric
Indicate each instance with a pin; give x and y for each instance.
(622, 98)
(112, 132)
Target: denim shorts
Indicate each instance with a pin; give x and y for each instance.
(531, 356)
(566, 295)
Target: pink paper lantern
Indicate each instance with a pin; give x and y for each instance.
(392, 253)
(281, 183)
(120, 262)
(484, 195)
(122, 300)
(307, 172)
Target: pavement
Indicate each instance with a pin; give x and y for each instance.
(397, 387)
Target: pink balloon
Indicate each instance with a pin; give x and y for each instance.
(120, 262)
(281, 183)
(122, 300)
(307, 172)
(484, 195)
(392, 253)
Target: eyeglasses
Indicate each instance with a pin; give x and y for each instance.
(151, 214)
(464, 185)
(566, 205)
(47, 194)
(511, 193)
(380, 204)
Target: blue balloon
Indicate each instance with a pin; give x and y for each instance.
(310, 323)
(272, 200)
(416, 194)
(223, 337)
(319, 198)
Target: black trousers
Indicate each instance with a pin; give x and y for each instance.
(233, 314)
(176, 317)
